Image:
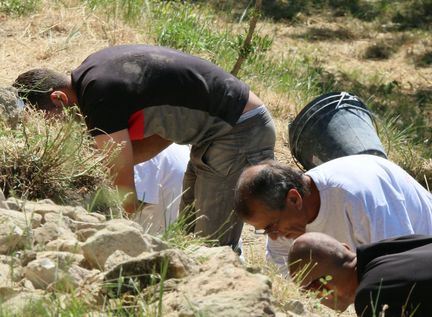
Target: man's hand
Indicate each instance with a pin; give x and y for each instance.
(122, 166)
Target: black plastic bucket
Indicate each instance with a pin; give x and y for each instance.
(333, 125)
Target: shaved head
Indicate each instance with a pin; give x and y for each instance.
(315, 256)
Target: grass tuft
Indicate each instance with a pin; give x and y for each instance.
(48, 158)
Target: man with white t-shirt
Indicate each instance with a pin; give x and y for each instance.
(355, 199)
(158, 184)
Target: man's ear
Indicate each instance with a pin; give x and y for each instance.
(294, 199)
(346, 246)
(59, 98)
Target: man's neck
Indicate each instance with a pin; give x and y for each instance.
(311, 201)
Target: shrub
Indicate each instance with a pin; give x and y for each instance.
(49, 158)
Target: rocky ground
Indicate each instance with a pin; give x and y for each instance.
(49, 249)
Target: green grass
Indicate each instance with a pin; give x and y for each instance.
(19, 7)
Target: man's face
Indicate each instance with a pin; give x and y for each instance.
(333, 288)
(288, 222)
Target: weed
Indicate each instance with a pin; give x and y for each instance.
(180, 233)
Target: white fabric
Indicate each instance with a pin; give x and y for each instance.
(159, 182)
(364, 199)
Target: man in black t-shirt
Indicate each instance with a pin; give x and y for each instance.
(393, 275)
(146, 97)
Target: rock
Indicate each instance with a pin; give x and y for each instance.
(51, 231)
(12, 237)
(27, 284)
(101, 217)
(71, 278)
(214, 256)
(75, 225)
(10, 105)
(5, 275)
(41, 208)
(51, 268)
(116, 258)
(118, 236)
(46, 201)
(220, 289)
(295, 306)
(85, 233)
(86, 218)
(2, 197)
(41, 272)
(13, 203)
(23, 219)
(14, 300)
(27, 256)
(70, 245)
(137, 273)
(64, 259)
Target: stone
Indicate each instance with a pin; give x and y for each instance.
(52, 231)
(5, 275)
(24, 220)
(101, 217)
(27, 256)
(137, 273)
(41, 272)
(83, 234)
(75, 225)
(41, 208)
(13, 203)
(295, 306)
(86, 218)
(12, 237)
(221, 288)
(10, 105)
(51, 268)
(64, 259)
(69, 245)
(117, 236)
(2, 196)
(116, 258)
(14, 300)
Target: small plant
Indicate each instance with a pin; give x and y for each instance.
(180, 234)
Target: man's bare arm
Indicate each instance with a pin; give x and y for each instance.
(147, 148)
(122, 166)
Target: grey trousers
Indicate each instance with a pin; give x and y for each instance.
(212, 174)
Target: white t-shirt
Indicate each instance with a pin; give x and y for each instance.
(159, 181)
(364, 199)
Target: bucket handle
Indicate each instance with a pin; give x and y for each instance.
(338, 106)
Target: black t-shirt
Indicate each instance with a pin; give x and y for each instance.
(396, 272)
(151, 89)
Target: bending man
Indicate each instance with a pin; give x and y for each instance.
(392, 275)
(356, 199)
(146, 97)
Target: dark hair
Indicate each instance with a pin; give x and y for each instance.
(35, 87)
(270, 186)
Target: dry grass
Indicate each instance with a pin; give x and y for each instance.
(57, 37)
